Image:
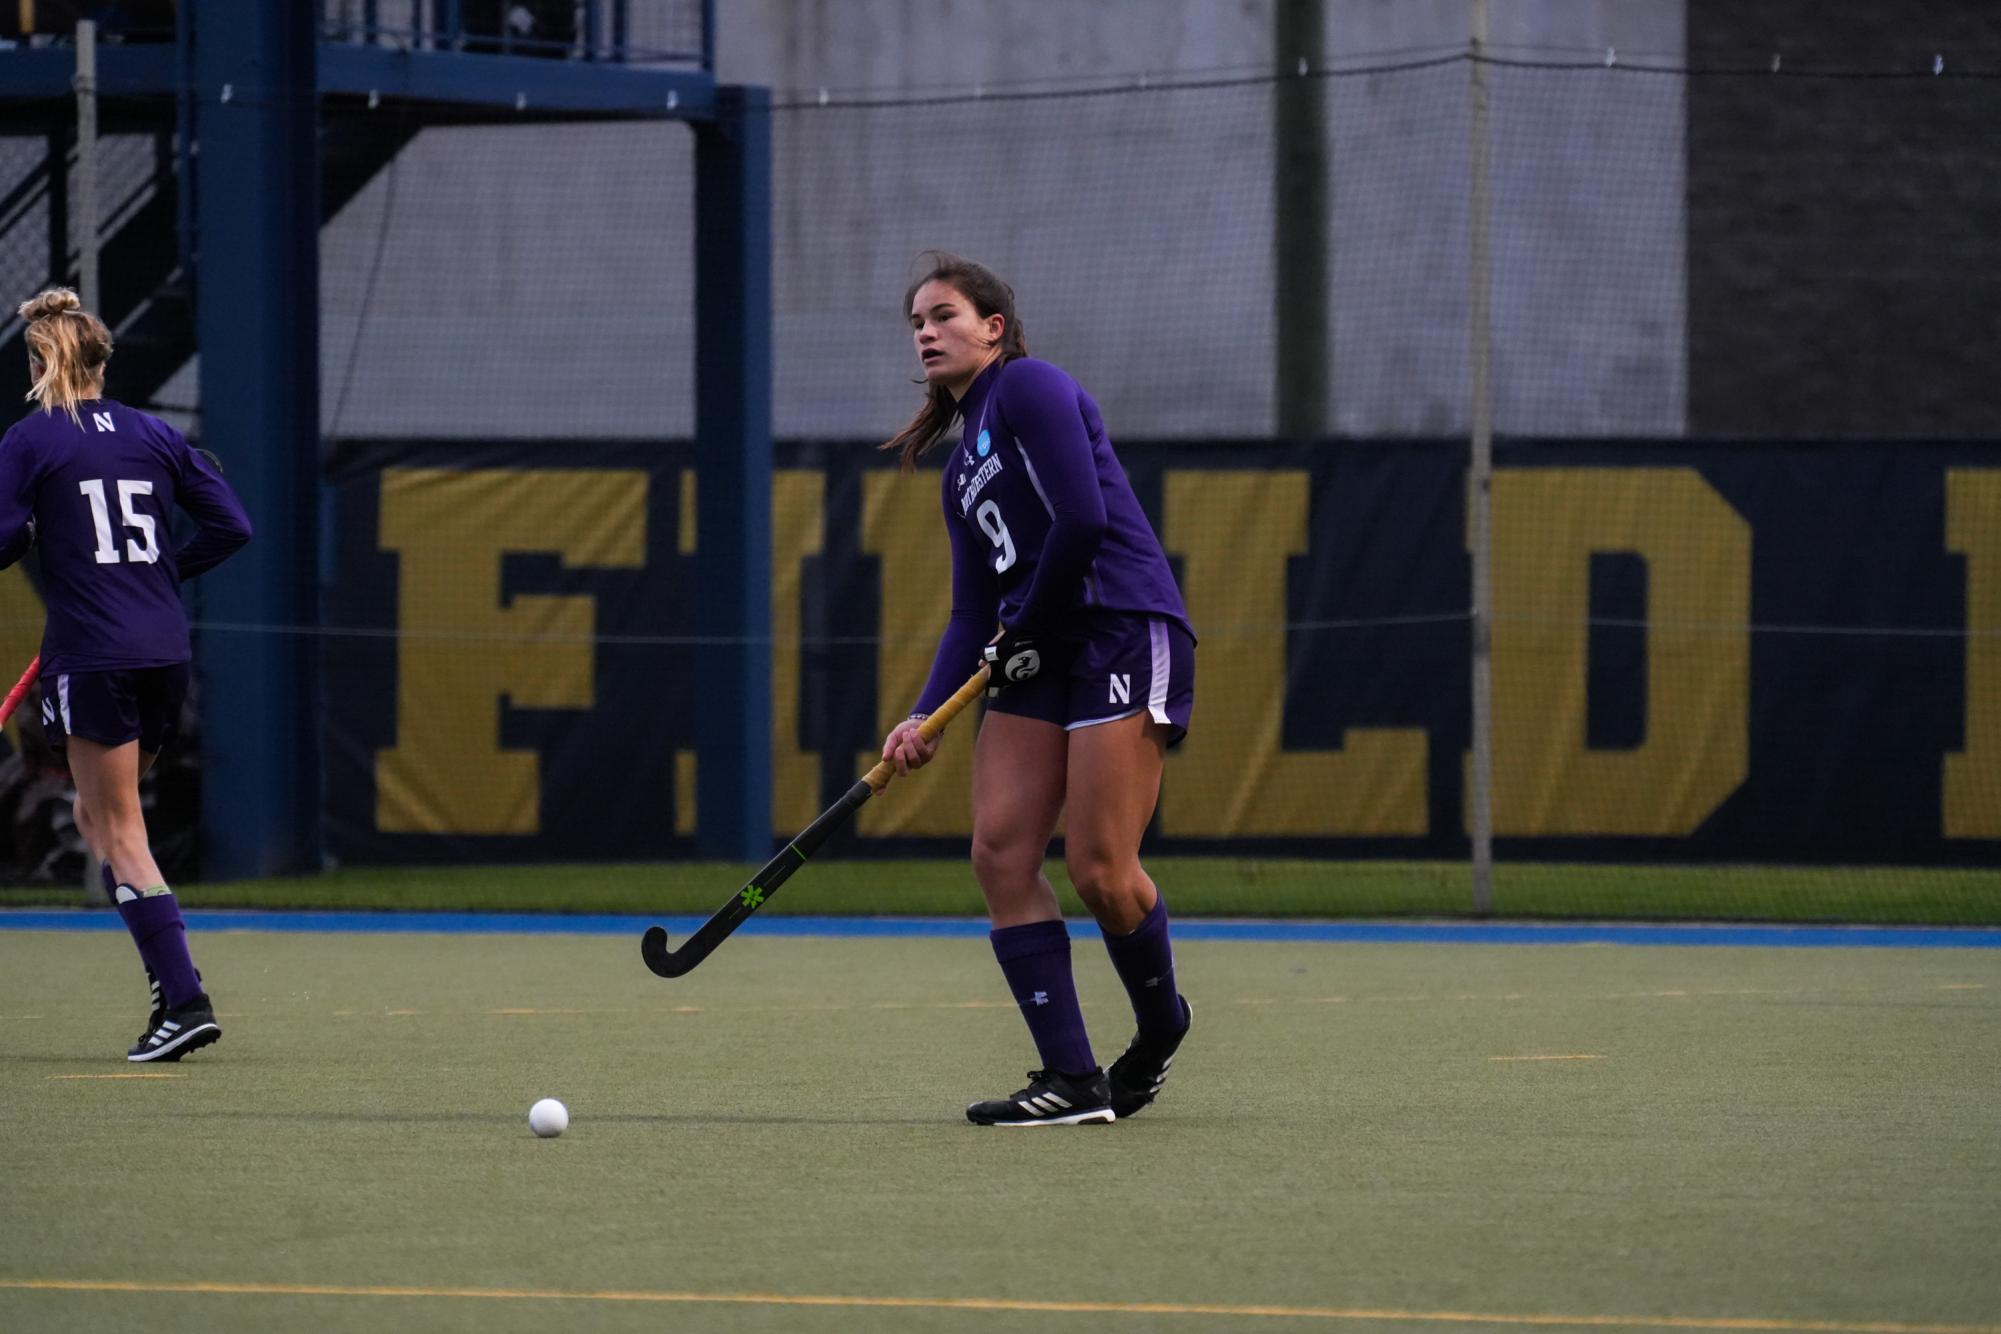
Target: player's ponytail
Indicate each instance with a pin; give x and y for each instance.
(67, 349)
(989, 296)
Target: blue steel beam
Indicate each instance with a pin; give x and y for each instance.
(502, 82)
(257, 323)
(525, 83)
(32, 73)
(733, 477)
(257, 182)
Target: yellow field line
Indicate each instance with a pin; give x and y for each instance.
(1248, 1002)
(1781, 1326)
(149, 1074)
(1579, 1057)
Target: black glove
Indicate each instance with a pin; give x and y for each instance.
(1014, 657)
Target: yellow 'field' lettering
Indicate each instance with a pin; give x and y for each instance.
(461, 648)
(20, 639)
(900, 523)
(798, 530)
(1548, 522)
(1973, 773)
(1234, 532)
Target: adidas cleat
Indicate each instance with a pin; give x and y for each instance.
(177, 1032)
(1051, 1099)
(158, 1010)
(1136, 1076)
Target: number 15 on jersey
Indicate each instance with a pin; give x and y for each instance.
(146, 550)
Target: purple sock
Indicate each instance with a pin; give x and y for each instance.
(1036, 960)
(156, 927)
(1144, 959)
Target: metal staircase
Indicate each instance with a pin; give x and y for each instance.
(213, 243)
(146, 289)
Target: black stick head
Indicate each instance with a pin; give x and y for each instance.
(653, 949)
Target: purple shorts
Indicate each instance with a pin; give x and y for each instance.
(1122, 665)
(140, 704)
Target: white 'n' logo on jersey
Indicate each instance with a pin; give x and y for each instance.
(103, 422)
(1122, 687)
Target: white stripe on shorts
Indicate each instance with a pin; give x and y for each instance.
(1156, 695)
(62, 698)
(1108, 718)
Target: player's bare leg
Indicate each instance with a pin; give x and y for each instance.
(91, 828)
(93, 842)
(87, 825)
(1018, 778)
(107, 786)
(1018, 782)
(1114, 782)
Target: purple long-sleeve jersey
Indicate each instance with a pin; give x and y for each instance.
(102, 495)
(1044, 524)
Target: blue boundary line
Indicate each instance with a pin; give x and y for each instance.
(1191, 928)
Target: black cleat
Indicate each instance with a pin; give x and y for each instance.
(177, 1032)
(1051, 1099)
(159, 1010)
(1137, 1076)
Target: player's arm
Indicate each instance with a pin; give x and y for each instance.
(975, 611)
(221, 526)
(1039, 404)
(17, 513)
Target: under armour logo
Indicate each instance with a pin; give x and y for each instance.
(1153, 981)
(1040, 998)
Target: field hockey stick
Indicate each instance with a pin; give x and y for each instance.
(20, 690)
(758, 891)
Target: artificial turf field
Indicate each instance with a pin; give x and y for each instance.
(1356, 1136)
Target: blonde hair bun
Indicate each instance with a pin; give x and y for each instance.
(66, 357)
(55, 301)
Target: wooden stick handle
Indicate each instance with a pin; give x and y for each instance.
(878, 777)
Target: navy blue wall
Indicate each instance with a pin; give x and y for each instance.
(1855, 689)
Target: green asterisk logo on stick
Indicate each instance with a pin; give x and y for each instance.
(752, 896)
